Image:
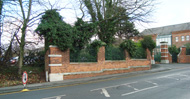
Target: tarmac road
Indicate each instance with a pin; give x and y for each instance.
(166, 81)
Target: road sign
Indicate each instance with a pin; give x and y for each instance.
(24, 78)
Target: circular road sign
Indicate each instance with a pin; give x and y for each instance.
(24, 77)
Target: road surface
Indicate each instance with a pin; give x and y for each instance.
(170, 84)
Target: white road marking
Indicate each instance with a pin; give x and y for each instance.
(152, 83)
(184, 75)
(132, 87)
(169, 77)
(112, 86)
(105, 92)
(138, 91)
(57, 97)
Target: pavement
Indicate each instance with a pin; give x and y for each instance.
(155, 68)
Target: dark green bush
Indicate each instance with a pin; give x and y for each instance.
(114, 53)
(173, 49)
(83, 55)
(148, 42)
(140, 52)
(128, 45)
(157, 57)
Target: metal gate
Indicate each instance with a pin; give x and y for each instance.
(174, 58)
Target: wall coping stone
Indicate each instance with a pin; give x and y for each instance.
(52, 55)
(138, 59)
(83, 62)
(53, 46)
(55, 64)
(115, 60)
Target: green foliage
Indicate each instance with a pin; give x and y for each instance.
(125, 28)
(55, 30)
(97, 44)
(83, 55)
(114, 53)
(140, 52)
(83, 31)
(148, 42)
(157, 57)
(128, 45)
(173, 49)
(111, 18)
(187, 48)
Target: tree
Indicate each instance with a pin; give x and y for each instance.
(55, 30)
(83, 32)
(18, 20)
(26, 19)
(109, 13)
(126, 30)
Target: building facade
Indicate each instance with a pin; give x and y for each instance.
(178, 34)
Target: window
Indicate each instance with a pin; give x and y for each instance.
(176, 39)
(182, 38)
(187, 37)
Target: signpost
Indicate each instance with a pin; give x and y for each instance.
(24, 80)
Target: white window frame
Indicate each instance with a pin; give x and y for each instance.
(187, 37)
(176, 39)
(182, 38)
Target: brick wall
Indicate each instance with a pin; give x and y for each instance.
(182, 57)
(66, 70)
(179, 34)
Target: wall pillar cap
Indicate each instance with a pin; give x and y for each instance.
(164, 43)
(52, 46)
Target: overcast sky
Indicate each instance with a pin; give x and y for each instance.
(169, 12)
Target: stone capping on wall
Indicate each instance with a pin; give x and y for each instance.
(138, 59)
(83, 62)
(115, 60)
(54, 55)
(55, 65)
(53, 46)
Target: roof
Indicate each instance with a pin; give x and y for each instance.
(166, 30)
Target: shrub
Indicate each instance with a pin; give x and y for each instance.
(140, 52)
(157, 57)
(83, 55)
(187, 48)
(128, 45)
(97, 44)
(173, 49)
(114, 53)
(148, 42)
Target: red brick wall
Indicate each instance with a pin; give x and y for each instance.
(182, 57)
(179, 34)
(101, 67)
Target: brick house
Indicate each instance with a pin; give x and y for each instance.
(178, 34)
